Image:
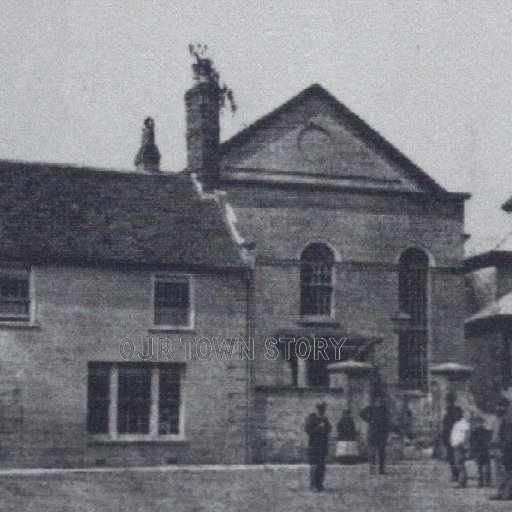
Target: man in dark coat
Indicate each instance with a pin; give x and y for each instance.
(377, 417)
(480, 441)
(504, 411)
(453, 413)
(318, 429)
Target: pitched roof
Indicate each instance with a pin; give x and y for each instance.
(498, 308)
(499, 255)
(54, 212)
(357, 125)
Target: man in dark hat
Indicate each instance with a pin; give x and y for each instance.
(504, 460)
(377, 417)
(318, 429)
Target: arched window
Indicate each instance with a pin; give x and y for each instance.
(316, 281)
(413, 300)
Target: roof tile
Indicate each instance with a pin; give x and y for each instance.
(54, 212)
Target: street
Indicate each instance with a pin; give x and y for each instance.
(408, 486)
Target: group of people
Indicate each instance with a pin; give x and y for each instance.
(319, 428)
(464, 438)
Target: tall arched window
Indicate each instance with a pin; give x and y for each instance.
(316, 281)
(413, 300)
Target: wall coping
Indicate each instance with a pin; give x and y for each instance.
(312, 390)
(451, 369)
(350, 367)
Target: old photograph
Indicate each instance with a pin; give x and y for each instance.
(255, 256)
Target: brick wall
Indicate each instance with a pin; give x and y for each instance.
(82, 315)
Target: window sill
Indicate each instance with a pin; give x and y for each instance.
(129, 440)
(21, 326)
(318, 320)
(412, 393)
(301, 389)
(156, 329)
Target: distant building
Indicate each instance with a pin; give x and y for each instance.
(489, 322)
(305, 226)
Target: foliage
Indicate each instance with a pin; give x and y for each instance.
(204, 71)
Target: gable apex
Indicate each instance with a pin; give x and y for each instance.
(357, 127)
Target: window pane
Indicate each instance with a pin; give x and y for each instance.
(98, 399)
(316, 278)
(172, 302)
(169, 401)
(134, 400)
(413, 300)
(316, 300)
(14, 297)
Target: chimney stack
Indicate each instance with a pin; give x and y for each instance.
(148, 157)
(203, 102)
(203, 126)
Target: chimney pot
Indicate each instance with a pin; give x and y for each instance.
(148, 157)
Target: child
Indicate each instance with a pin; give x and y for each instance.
(346, 447)
(480, 440)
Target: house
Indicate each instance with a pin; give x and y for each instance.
(307, 233)
(350, 238)
(96, 266)
(488, 324)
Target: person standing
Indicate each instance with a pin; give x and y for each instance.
(480, 440)
(504, 459)
(346, 447)
(453, 412)
(377, 417)
(405, 423)
(459, 440)
(318, 429)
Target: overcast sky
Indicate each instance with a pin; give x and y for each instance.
(434, 78)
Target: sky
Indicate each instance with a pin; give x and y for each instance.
(434, 78)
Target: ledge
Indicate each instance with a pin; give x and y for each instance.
(308, 389)
(130, 442)
(172, 330)
(451, 369)
(411, 393)
(20, 326)
(352, 367)
(320, 322)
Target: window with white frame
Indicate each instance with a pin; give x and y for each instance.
(413, 300)
(316, 281)
(15, 300)
(172, 301)
(134, 400)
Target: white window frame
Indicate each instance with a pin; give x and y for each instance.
(13, 269)
(331, 316)
(173, 278)
(153, 434)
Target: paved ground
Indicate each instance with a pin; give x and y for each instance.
(407, 487)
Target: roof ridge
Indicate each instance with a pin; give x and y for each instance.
(69, 167)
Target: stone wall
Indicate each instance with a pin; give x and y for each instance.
(280, 416)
